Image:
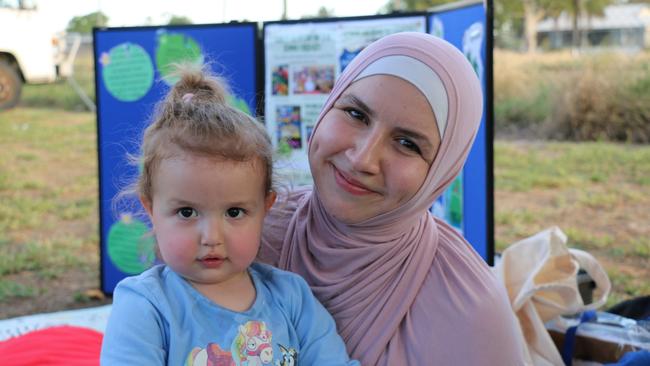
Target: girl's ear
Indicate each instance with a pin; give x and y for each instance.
(148, 205)
(269, 200)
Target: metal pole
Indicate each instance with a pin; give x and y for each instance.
(284, 9)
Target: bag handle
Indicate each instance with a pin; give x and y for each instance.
(597, 273)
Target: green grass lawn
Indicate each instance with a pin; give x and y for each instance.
(48, 202)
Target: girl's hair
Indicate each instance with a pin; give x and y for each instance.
(196, 118)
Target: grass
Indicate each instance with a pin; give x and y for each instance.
(596, 192)
(570, 165)
(48, 197)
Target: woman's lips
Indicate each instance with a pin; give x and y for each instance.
(350, 185)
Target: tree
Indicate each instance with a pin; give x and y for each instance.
(85, 23)
(179, 20)
(413, 5)
(508, 23)
(323, 12)
(588, 9)
(531, 12)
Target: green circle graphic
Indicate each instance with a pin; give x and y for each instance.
(176, 48)
(130, 248)
(239, 103)
(127, 72)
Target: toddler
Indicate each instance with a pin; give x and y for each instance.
(206, 186)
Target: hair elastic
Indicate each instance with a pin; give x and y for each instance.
(187, 97)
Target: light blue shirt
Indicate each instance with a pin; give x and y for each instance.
(158, 318)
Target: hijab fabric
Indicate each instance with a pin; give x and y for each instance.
(369, 274)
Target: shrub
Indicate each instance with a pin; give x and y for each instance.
(603, 106)
(583, 98)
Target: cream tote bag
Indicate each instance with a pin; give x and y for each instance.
(540, 275)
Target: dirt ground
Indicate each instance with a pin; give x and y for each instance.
(61, 295)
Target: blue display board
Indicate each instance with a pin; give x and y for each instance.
(133, 71)
(468, 203)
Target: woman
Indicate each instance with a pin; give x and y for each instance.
(403, 286)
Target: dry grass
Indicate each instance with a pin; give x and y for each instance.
(594, 97)
(48, 210)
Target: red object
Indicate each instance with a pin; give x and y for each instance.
(63, 345)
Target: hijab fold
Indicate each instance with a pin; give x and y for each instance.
(369, 274)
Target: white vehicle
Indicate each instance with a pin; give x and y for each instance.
(30, 52)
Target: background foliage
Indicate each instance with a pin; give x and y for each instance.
(593, 97)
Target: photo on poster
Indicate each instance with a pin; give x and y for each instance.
(288, 120)
(316, 79)
(347, 55)
(280, 80)
(308, 131)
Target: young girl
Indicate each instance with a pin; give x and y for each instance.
(206, 186)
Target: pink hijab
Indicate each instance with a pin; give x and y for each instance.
(375, 275)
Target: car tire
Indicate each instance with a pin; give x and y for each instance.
(10, 86)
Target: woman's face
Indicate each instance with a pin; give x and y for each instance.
(373, 149)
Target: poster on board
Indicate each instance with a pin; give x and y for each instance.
(302, 62)
(133, 71)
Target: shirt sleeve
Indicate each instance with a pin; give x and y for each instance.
(320, 344)
(134, 334)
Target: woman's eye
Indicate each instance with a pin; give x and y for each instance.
(356, 114)
(409, 145)
(187, 212)
(235, 212)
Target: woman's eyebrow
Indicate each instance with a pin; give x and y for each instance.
(354, 100)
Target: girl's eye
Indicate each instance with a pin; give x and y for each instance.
(409, 145)
(235, 212)
(187, 212)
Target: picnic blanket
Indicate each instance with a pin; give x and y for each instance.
(72, 337)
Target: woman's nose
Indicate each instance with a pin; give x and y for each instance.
(365, 155)
(212, 232)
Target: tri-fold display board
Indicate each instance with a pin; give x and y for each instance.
(286, 74)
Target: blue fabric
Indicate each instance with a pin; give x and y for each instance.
(159, 319)
(570, 337)
(637, 358)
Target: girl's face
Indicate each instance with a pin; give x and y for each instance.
(373, 149)
(207, 217)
